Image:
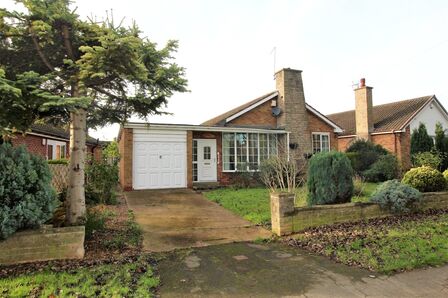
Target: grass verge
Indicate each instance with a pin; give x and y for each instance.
(384, 245)
(253, 203)
(134, 279)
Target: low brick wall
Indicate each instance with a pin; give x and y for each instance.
(46, 243)
(287, 219)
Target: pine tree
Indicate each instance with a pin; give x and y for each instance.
(61, 68)
(441, 145)
(420, 140)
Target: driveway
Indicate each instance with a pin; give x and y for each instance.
(276, 270)
(182, 218)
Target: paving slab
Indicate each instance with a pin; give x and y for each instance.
(181, 218)
(277, 270)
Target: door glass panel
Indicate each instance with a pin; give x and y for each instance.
(207, 153)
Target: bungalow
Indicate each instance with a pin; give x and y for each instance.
(389, 125)
(51, 142)
(155, 156)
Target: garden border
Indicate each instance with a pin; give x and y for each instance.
(287, 219)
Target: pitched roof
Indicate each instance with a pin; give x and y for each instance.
(222, 119)
(386, 118)
(51, 130)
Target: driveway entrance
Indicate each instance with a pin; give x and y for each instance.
(181, 218)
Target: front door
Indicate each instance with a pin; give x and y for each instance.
(207, 160)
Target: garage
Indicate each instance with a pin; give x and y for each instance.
(159, 159)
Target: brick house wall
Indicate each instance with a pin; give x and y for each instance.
(344, 143)
(260, 116)
(404, 145)
(34, 144)
(125, 147)
(398, 144)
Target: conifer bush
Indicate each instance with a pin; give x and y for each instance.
(425, 179)
(363, 154)
(385, 168)
(27, 198)
(330, 179)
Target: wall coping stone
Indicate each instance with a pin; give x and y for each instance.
(287, 219)
(43, 244)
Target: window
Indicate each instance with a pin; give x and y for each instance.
(63, 151)
(241, 151)
(245, 151)
(228, 151)
(263, 145)
(321, 142)
(253, 151)
(195, 160)
(56, 149)
(50, 152)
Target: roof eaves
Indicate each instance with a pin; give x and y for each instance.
(251, 107)
(416, 113)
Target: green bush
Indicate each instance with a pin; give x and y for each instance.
(330, 179)
(58, 161)
(385, 168)
(102, 179)
(425, 179)
(445, 175)
(397, 197)
(363, 154)
(27, 198)
(429, 159)
(96, 219)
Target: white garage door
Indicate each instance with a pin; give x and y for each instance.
(160, 159)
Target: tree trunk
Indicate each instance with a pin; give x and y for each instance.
(76, 206)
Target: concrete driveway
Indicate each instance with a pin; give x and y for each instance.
(181, 218)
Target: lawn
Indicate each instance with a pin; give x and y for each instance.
(134, 279)
(383, 245)
(253, 203)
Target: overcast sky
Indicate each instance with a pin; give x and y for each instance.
(400, 47)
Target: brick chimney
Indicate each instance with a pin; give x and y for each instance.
(291, 101)
(363, 110)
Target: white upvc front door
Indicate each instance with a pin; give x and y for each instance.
(207, 170)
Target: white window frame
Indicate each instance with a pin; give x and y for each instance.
(247, 149)
(320, 134)
(54, 143)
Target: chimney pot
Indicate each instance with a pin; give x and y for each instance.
(362, 83)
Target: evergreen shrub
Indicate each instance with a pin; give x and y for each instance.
(330, 179)
(27, 198)
(425, 179)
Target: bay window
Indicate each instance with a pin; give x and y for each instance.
(245, 151)
(321, 142)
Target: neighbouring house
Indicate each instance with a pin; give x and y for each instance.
(389, 125)
(52, 142)
(155, 156)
